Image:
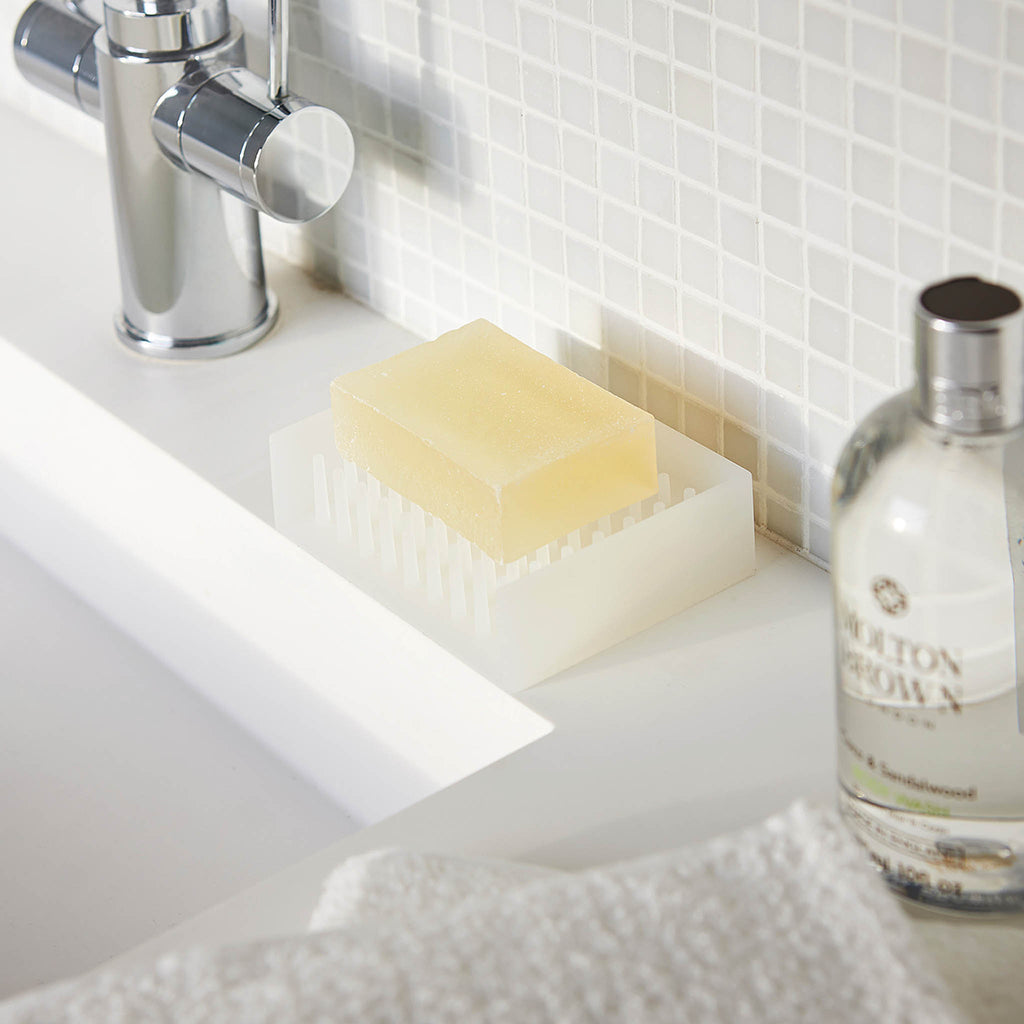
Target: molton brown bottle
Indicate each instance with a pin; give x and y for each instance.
(928, 577)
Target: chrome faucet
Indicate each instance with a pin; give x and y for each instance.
(197, 146)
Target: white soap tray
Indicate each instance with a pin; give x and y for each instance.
(521, 623)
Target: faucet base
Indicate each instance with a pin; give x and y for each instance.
(161, 346)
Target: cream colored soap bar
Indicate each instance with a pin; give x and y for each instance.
(508, 447)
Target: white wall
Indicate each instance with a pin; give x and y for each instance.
(719, 209)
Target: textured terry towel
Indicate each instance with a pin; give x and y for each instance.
(783, 923)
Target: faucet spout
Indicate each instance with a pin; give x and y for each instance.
(197, 146)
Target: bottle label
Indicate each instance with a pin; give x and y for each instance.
(927, 720)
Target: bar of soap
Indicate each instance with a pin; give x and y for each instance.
(508, 447)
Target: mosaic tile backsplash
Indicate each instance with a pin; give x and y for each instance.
(719, 209)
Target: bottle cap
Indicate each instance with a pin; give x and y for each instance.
(969, 356)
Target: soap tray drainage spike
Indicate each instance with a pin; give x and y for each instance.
(520, 623)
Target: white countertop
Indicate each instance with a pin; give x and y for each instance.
(709, 721)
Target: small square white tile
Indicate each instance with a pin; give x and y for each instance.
(612, 63)
(617, 174)
(654, 136)
(737, 174)
(610, 15)
(663, 357)
(695, 154)
(583, 264)
(974, 86)
(698, 265)
(780, 136)
(503, 72)
(701, 378)
(651, 81)
(826, 213)
(973, 152)
(540, 89)
(700, 323)
(581, 210)
(873, 234)
(536, 34)
(658, 302)
(972, 215)
(663, 403)
(735, 59)
(693, 98)
(741, 446)
(779, 20)
(573, 45)
(923, 132)
(784, 364)
(874, 296)
(920, 255)
(976, 25)
(826, 437)
(657, 189)
(780, 75)
(780, 195)
(1013, 98)
(500, 22)
(702, 425)
(784, 474)
(828, 329)
(784, 309)
(659, 250)
(1013, 166)
(1013, 232)
(621, 281)
(741, 343)
(692, 39)
(825, 34)
(576, 103)
(579, 156)
(741, 286)
(738, 232)
(736, 116)
(923, 195)
(615, 118)
(741, 399)
(620, 229)
(825, 155)
(923, 68)
(874, 51)
(874, 174)
(651, 25)
(827, 386)
(783, 252)
(542, 142)
(874, 114)
(698, 212)
(926, 15)
(737, 12)
(1015, 34)
(826, 95)
(784, 421)
(874, 352)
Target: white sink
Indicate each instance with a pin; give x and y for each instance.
(144, 486)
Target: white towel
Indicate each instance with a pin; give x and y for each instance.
(785, 922)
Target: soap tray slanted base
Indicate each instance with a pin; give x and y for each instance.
(521, 623)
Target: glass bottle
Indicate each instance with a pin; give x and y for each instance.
(928, 583)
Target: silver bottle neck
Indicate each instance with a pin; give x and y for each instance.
(969, 356)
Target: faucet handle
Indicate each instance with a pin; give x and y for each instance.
(289, 158)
